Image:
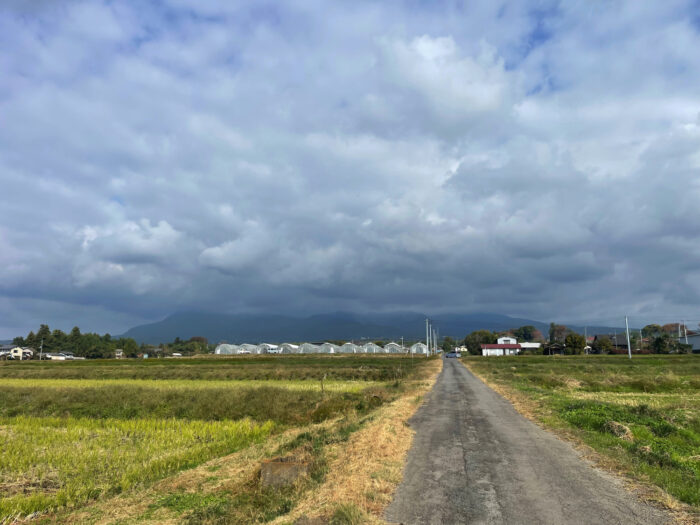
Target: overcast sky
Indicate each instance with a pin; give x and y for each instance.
(539, 159)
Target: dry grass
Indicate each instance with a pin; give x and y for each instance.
(366, 470)
(540, 415)
(233, 469)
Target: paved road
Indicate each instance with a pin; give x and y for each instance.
(476, 460)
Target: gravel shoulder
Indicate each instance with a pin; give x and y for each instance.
(474, 459)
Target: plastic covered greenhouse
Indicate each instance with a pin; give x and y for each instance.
(419, 348)
(226, 349)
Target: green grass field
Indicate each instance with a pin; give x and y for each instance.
(73, 432)
(643, 413)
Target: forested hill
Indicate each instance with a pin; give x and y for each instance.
(238, 328)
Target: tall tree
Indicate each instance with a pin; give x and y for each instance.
(557, 333)
(474, 340)
(575, 343)
(525, 333)
(602, 345)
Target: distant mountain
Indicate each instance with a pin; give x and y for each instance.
(238, 328)
(256, 328)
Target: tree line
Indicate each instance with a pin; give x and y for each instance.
(561, 339)
(95, 346)
(89, 345)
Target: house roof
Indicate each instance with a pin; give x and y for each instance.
(504, 347)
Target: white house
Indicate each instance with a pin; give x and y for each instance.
(507, 341)
(501, 348)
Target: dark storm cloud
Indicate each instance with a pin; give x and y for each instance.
(537, 159)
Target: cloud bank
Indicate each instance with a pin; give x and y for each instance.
(540, 159)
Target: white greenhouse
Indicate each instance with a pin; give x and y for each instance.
(226, 349)
(348, 348)
(247, 349)
(394, 348)
(328, 348)
(371, 348)
(308, 348)
(288, 348)
(419, 348)
(266, 348)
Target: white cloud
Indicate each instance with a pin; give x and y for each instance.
(507, 157)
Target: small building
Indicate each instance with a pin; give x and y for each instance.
(500, 348)
(507, 340)
(530, 346)
(119, 353)
(21, 353)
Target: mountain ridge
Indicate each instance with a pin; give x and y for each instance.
(277, 328)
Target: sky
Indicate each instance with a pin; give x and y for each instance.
(531, 158)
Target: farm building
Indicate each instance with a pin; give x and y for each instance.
(500, 349)
(530, 346)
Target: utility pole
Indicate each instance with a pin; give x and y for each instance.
(427, 337)
(585, 339)
(629, 347)
(41, 349)
(685, 331)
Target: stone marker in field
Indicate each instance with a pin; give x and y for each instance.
(280, 472)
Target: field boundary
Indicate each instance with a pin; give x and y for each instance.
(537, 413)
(366, 471)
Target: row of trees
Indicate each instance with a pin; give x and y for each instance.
(95, 346)
(561, 339)
(88, 345)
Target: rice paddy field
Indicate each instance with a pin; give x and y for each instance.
(73, 432)
(642, 415)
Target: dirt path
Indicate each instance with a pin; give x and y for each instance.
(476, 460)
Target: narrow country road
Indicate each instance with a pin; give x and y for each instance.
(476, 460)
